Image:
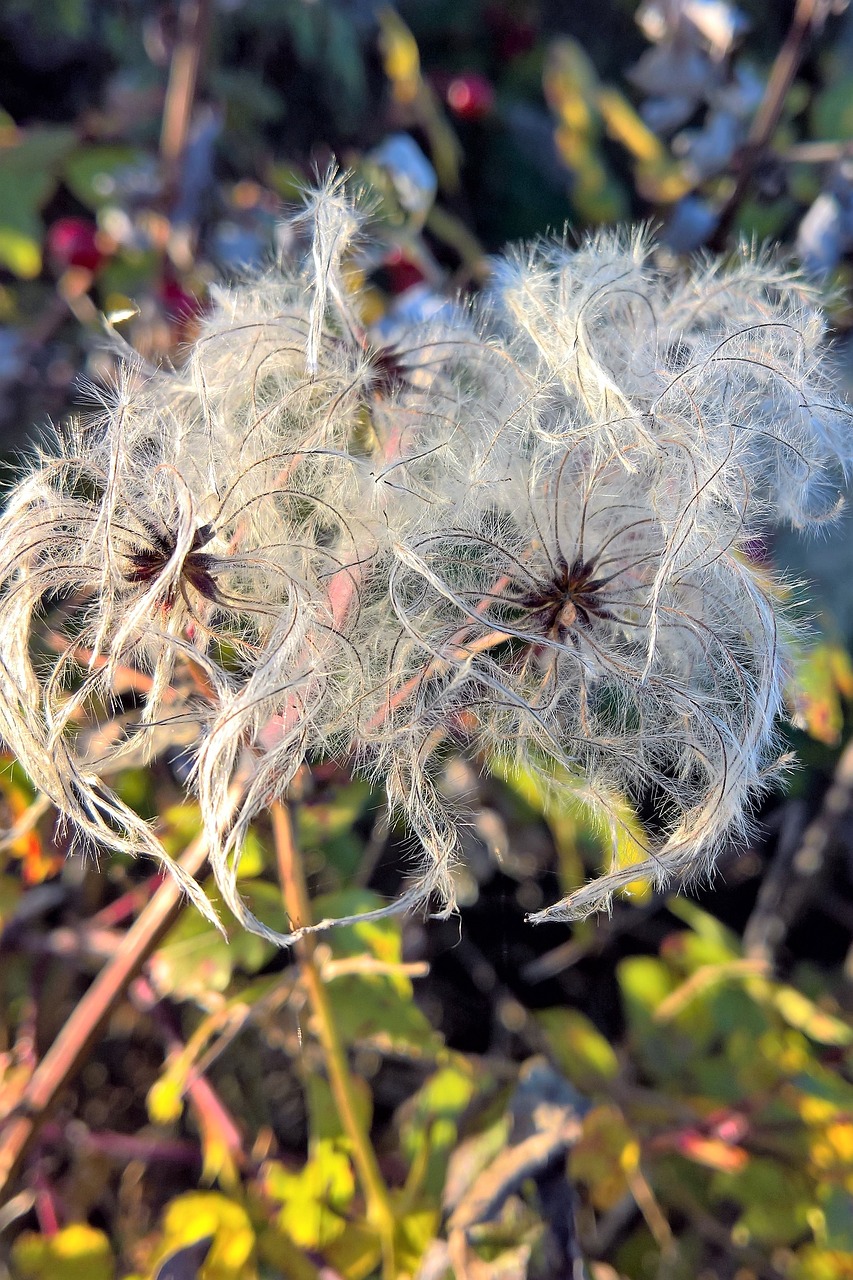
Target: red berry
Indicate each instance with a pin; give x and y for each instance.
(470, 96)
(402, 273)
(177, 301)
(72, 242)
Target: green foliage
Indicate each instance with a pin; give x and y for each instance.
(372, 996)
(202, 1214)
(714, 1134)
(93, 173)
(30, 167)
(77, 1252)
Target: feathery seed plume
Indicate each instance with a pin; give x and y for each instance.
(519, 528)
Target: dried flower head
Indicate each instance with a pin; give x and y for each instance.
(579, 648)
(519, 526)
(719, 375)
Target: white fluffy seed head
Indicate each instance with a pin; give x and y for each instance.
(522, 526)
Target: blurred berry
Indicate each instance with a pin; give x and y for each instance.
(399, 272)
(72, 242)
(181, 307)
(470, 96)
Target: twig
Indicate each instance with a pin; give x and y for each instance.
(767, 926)
(379, 1208)
(807, 15)
(193, 21)
(71, 1047)
(121, 1148)
(82, 943)
(377, 843)
(213, 1118)
(816, 153)
(769, 923)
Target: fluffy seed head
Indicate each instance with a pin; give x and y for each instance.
(517, 529)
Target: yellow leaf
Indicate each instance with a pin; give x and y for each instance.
(842, 670)
(207, 1213)
(630, 847)
(165, 1103)
(801, 1013)
(315, 1200)
(20, 252)
(662, 181)
(78, 1252)
(627, 127)
(414, 1233)
(400, 56)
(822, 679)
(570, 83)
(605, 1156)
(355, 1254)
(581, 1051)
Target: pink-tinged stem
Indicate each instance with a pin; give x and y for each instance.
(71, 1047)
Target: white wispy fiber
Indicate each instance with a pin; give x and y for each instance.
(519, 529)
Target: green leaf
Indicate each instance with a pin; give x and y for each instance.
(837, 1210)
(371, 1007)
(195, 958)
(559, 799)
(38, 152)
(429, 1127)
(314, 1202)
(379, 938)
(832, 111)
(248, 102)
(136, 789)
(705, 926)
(78, 1252)
(325, 1124)
(606, 1151)
(327, 826)
(29, 171)
(645, 982)
(93, 172)
(326, 820)
(580, 1050)
(775, 1199)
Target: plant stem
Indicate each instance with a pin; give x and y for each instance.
(193, 22)
(71, 1047)
(379, 1209)
(807, 15)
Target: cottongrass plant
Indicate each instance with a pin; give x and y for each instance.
(519, 529)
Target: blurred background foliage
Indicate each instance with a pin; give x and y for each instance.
(664, 1093)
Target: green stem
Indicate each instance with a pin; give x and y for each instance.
(379, 1209)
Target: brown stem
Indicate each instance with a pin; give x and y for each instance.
(297, 904)
(71, 1047)
(807, 13)
(802, 867)
(193, 20)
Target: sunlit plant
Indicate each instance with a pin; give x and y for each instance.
(521, 528)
